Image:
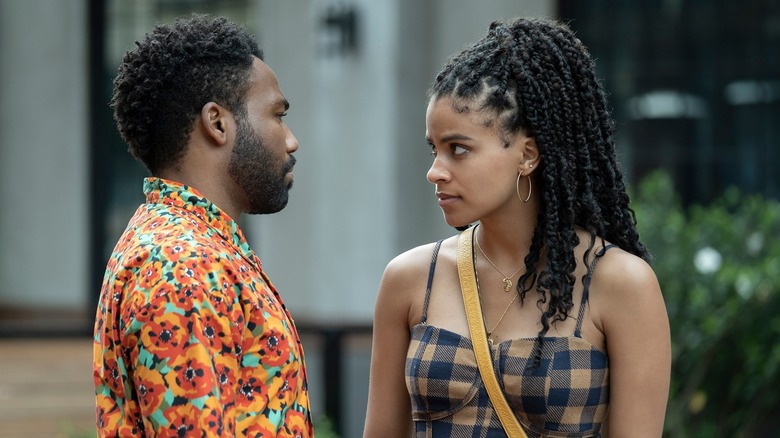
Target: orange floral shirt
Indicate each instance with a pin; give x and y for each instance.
(191, 337)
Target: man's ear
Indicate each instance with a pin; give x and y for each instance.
(215, 120)
(529, 159)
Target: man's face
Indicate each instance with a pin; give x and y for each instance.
(261, 162)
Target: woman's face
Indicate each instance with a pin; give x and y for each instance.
(473, 171)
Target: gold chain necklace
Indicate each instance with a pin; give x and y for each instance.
(501, 318)
(507, 278)
(490, 332)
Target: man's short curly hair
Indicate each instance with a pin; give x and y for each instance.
(164, 82)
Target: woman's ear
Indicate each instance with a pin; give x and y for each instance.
(214, 120)
(529, 155)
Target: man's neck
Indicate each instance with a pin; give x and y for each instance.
(208, 186)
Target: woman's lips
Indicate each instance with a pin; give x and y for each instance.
(445, 199)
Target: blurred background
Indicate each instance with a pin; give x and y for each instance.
(695, 90)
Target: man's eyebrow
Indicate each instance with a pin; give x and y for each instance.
(284, 102)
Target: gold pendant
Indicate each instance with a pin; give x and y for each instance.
(507, 284)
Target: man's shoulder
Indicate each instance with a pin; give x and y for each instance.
(156, 233)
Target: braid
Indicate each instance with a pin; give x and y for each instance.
(539, 80)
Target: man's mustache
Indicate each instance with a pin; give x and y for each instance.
(288, 167)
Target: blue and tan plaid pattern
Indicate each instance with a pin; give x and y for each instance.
(448, 398)
(566, 396)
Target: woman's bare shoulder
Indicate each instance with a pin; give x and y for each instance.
(625, 286)
(621, 272)
(413, 263)
(402, 289)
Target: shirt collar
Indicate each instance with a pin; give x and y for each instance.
(171, 193)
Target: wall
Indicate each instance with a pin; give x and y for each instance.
(43, 154)
(360, 194)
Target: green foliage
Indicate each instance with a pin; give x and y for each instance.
(323, 428)
(719, 269)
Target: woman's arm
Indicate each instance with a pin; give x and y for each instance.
(389, 408)
(634, 319)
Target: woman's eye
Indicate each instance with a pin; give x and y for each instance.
(458, 150)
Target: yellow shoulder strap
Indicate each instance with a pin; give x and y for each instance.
(468, 286)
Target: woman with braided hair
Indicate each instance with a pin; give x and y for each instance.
(574, 318)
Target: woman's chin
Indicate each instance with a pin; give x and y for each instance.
(457, 223)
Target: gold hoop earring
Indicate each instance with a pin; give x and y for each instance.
(517, 188)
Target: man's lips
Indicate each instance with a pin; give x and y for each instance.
(289, 165)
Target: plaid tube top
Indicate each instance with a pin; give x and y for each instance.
(566, 396)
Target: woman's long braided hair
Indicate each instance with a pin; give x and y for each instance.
(539, 79)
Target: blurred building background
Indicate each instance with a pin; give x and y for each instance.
(695, 88)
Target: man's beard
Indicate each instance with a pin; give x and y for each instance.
(258, 172)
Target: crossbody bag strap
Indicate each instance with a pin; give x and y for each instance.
(468, 286)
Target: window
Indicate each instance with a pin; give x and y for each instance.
(694, 87)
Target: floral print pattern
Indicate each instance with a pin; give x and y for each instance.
(191, 337)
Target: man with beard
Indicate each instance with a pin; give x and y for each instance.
(191, 337)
